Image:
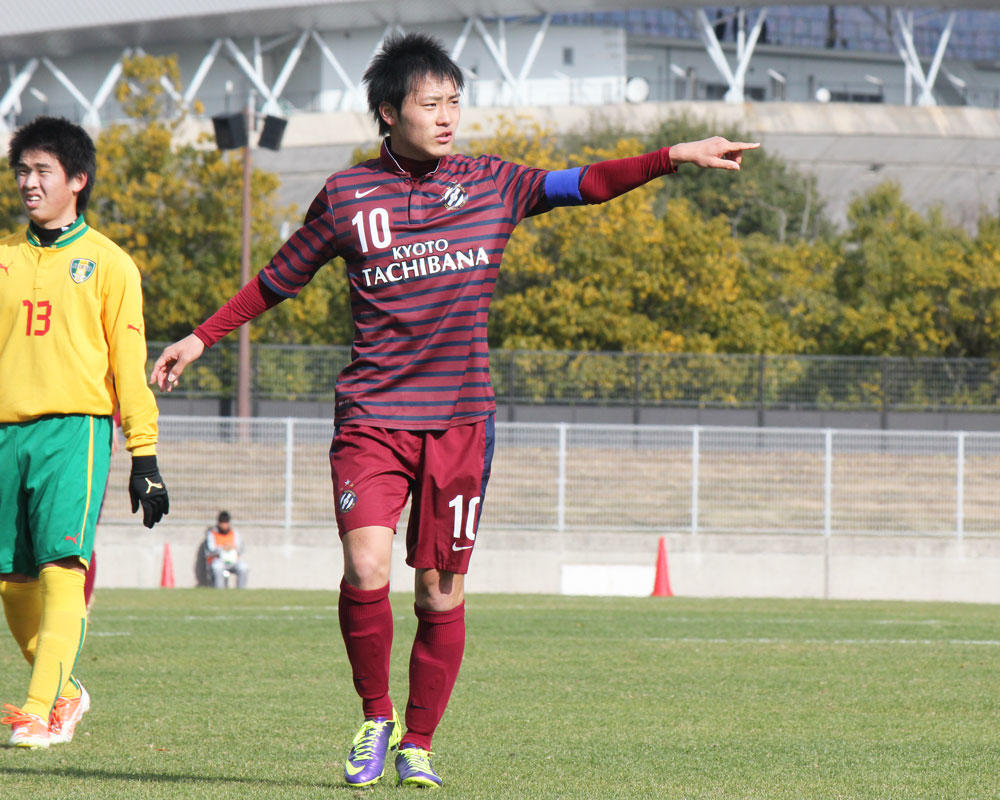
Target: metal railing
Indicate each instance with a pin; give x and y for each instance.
(803, 27)
(562, 477)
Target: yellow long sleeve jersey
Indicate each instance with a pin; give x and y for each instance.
(72, 338)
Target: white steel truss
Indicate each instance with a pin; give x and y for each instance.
(11, 100)
(513, 77)
(497, 48)
(745, 44)
(736, 78)
(252, 67)
(903, 40)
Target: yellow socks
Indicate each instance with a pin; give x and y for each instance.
(61, 633)
(22, 605)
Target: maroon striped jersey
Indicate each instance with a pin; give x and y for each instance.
(422, 255)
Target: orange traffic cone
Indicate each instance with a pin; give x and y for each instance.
(661, 584)
(167, 575)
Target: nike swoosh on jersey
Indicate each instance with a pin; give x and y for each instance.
(358, 194)
(456, 548)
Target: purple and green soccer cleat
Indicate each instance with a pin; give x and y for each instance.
(414, 767)
(366, 761)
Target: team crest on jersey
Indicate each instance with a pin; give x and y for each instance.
(454, 196)
(347, 500)
(80, 269)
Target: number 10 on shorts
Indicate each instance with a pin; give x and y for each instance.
(458, 504)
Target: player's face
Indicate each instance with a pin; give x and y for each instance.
(48, 195)
(424, 128)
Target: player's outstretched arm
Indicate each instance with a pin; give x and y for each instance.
(716, 152)
(172, 361)
(605, 180)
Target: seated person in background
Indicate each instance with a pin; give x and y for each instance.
(224, 553)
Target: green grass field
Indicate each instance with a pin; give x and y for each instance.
(206, 694)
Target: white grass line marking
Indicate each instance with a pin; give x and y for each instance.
(709, 640)
(254, 617)
(201, 618)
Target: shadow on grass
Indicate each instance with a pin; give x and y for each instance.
(165, 778)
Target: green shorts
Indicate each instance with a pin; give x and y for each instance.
(55, 470)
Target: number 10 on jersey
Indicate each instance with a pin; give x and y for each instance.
(377, 229)
(469, 524)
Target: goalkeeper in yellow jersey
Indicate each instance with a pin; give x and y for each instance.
(72, 351)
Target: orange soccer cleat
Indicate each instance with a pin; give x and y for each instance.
(27, 730)
(66, 713)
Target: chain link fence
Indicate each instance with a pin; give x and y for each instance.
(563, 477)
(772, 382)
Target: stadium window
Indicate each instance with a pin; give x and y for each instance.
(778, 85)
(717, 91)
(855, 97)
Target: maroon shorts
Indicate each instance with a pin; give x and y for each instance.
(375, 469)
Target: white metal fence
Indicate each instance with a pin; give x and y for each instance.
(562, 477)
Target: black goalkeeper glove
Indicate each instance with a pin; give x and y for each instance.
(145, 486)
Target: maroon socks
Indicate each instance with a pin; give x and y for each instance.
(434, 662)
(366, 624)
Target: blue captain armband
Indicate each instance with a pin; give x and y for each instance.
(562, 187)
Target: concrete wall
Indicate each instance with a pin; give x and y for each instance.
(850, 148)
(884, 568)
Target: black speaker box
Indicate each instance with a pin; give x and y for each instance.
(230, 131)
(274, 129)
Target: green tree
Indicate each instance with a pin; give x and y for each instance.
(696, 262)
(624, 275)
(176, 208)
(12, 214)
(767, 196)
(903, 279)
(794, 282)
(978, 321)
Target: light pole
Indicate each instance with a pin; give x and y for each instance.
(233, 131)
(243, 363)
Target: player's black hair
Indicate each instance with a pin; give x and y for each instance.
(403, 60)
(68, 142)
(223, 516)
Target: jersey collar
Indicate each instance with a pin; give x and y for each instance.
(404, 166)
(68, 236)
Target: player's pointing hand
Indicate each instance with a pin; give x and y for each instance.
(172, 361)
(716, 152)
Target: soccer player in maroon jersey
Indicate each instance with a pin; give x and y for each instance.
(422, 231)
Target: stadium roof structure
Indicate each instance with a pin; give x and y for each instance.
(65, 25)
(61, 28)
(78, 14)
